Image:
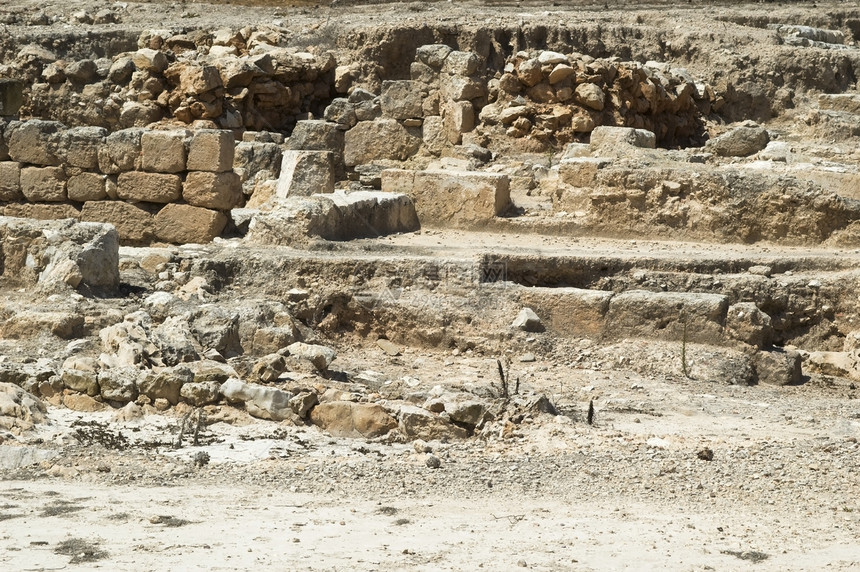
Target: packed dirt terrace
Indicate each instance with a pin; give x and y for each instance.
(429, 286)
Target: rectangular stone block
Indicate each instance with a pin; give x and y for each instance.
(164, 151)
(42, 211)
(581, 171)
(663, 315)
(304, 173)
(121, 151)
(36, 142)
(149, 187)
(211, 150)
(10, 181)
(186, 224)
(610, 138)
(133, 222)
(86, 187)
(571, 312)
(457, 199)
(43, 184)
(221, 191)
(402, 99)
(82, 146)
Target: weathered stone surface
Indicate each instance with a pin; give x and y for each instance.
(183, 224)
(305, 173)
(218, 329)
(747, 323)
(590, 96)
(43, 184)
(338, 216)
(221, 191)
(19, 409)
(459, 118)
(528, 321)
(581, 171)
(30, 323)
(609, 138)
(163, 151)
(349, 419)
(149, 60)
(83, 381)
(560, 73)
(303, 402)
(320, 356)
(165, 384)
(86, 187)
(461, 63)
(362, 142)
(778, 367)
(667, 315)
(133, 223)
(433, 55)
(262, 402)
(211, 150)
(418, 423)
(569, 311)
(402, 99)
(149, 187)
(739, 142)
(201, 393)
(82, 146)
(92, 248)
(316, 135)
(121, 151)
(529, 72)
(119, 384)
(10, 181)
(462, 199)
(342, 112)
(83, 403)
(256, 161)
(42, 211)
(36, 142)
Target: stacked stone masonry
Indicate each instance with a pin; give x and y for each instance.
(153, 186)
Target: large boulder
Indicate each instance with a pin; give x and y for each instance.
(740, 141)
(19, 410)
(350, 419)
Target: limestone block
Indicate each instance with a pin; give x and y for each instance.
(121, 151)
(459, 88)
(581, 171)
(459, 118)
(36, 142)
(739, 142)
(433, 134)
(381, 139)
(433, 55)
(459, 199)
(663, 315)
(461, 63)
(42, 211)
(86, 187)
(590, 96)
(82, 146)
(211, 150)
(778, 367)
(402, 99)
(149, 60)
(350, 419)
(10, 181)
(43, 184)
(611, 138)
(316, 135)
(304, 173)
(260, 401)
(184, 224)
(133, 222)
(148, 187)
(570, 312)
(163, 151)
(221, 191)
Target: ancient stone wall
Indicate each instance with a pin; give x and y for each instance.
(152, 185)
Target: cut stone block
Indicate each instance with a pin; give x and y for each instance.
(381, 139)
(82, 146)
(581, 171)
(121, 151)
(569, 311)
(149, 187)
(133, 222)
(402, 99)
(43, 184)
(36, 142)
(184, 224)
(663, 315)
(163, 151)
(221, 191)
(42, 211)
(305, 173)
(459, 199)
(10, 181)
(86, 187)
(211, 150)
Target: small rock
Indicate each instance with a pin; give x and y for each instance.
(528, 321)
(528, 358)
(433, 462)
(388, 347)
(705, 454)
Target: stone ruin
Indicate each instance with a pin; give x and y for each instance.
(236, 138)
